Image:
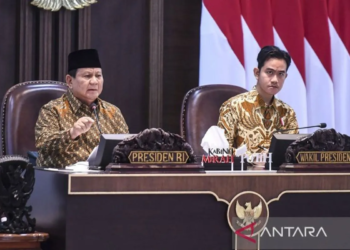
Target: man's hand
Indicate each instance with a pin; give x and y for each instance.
(81, 126)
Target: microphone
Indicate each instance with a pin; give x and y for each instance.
(93, 106)
(321, 125)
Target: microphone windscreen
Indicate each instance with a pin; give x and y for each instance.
(93, 106)
(323, 125)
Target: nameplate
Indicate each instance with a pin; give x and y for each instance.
(324, 157)
(158, 157)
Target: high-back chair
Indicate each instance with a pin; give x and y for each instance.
(200, 111)
(20, 110)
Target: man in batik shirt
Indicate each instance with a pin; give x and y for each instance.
(67, 129)
(251, 118)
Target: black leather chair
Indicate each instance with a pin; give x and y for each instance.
(20, 110)
(200, 111)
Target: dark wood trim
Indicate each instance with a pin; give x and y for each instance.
(84, 28)
(156, 63)
(224, 186)
(65, 42)
(45, 45)
(25, 42)
(22, 241)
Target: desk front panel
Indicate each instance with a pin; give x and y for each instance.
(175, 211)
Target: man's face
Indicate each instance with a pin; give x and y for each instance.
(87, 85)
(271, 76)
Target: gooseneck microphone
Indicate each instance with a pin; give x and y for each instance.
(321, 125)
(93, 106)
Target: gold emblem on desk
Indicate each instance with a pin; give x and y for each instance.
(248, 213)
(158, 157)
(323, 157)
(55, 5)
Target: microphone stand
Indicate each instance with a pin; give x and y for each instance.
(98, 122)
(323, 125)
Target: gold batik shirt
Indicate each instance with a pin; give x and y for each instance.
(52, 137)
(246, 119)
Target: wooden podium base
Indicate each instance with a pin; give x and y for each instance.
(22, 241)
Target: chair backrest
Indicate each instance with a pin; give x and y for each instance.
(200, 111)
(20, 110)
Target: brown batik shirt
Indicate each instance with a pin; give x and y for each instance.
(246, 119)
(56, 118)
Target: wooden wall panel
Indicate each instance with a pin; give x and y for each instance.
(137, 40)
(8, 48)
(84, 28)
(26, 18)
(64, 47)
(156, 39)
(181, 57)
(119, 30)
(45, 45)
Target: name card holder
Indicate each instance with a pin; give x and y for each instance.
(319, 161)
(154, 168)
(156, 162)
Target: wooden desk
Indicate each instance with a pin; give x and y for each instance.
(22, 241)
(171, 211)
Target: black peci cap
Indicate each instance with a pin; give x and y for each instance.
(86, 58)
